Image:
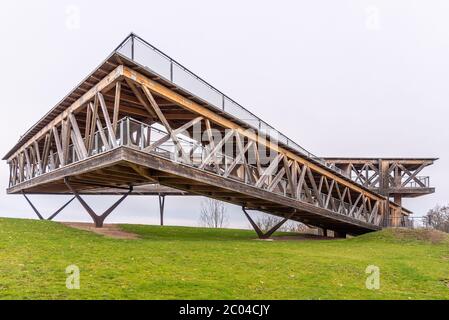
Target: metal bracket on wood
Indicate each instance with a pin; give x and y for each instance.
(270, 232)
(40, 216)
(98, 219)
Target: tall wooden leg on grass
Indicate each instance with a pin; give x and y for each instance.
(270, 232)
(162, 207)
(98, 219)
(53, 215)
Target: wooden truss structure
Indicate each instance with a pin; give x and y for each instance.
(390, 177)
(126, 127)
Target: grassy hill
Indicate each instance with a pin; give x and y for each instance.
(189, 263)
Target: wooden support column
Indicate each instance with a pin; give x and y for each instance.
(398, 199)
(346, 168)
(383, 180)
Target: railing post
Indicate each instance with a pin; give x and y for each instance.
(171, 71)
(142, 136)
(96, 143)
(132, 47)
(122, 143)
(128, 130)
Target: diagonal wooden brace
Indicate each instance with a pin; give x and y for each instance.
(269, 233)
(98, 219)
(53, 215)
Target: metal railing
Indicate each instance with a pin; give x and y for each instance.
(405, 222)
(398, 222)
(145, 54)
(414, 184)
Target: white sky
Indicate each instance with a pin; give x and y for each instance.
(342, 78)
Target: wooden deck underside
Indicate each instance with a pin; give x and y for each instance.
(125, 166)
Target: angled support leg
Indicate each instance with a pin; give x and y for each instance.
(98, 219)
(53, 215)
(269, 233)
(60, 209)
(33, 207)
(162, 207)
(253, 224)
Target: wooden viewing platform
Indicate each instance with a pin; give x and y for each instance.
(135, 122)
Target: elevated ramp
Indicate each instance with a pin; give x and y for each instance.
(128, 125)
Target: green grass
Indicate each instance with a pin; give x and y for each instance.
(189, 263)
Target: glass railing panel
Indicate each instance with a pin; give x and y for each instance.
(242, 114)
(191, 83)
(135, 134)
(264, 128)
(151, 59)
(126, 48)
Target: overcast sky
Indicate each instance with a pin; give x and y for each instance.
(341, 78)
